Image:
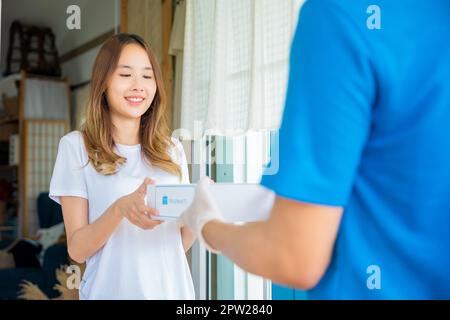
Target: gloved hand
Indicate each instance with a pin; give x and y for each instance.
(202, 210)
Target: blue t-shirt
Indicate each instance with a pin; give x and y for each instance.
(366, 126)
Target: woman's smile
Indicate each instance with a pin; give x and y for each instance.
(135, 100)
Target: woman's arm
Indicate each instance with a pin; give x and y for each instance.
(84, 239)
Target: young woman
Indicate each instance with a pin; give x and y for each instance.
(101, 175)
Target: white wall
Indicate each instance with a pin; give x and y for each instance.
(97, 17)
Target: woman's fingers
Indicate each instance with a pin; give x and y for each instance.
(153, 223)
(138, 213)
(145, 222)
(137, 220)
(132, 218)
(149, 223)
(143, 209)
(151, 211)
(142, 190)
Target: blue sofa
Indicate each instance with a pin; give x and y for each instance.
(49, 213)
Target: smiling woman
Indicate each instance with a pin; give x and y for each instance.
(126, 74)
(134, 83)
(101, 175)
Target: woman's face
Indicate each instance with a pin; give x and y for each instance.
(132, 86)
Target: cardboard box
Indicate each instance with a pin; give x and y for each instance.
(238, 202)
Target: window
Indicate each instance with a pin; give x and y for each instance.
(228, 159)
(235, 68)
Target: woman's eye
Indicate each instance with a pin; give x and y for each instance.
(125, 75)
(147, 77)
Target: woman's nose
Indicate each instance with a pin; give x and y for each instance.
(137, 84)
(137, 88)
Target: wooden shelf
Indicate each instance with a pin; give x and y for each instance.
(11, 201)
(7, 228)
(5, 120)
(6, 167)
(19, 206)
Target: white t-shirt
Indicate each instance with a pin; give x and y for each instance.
(134, 263)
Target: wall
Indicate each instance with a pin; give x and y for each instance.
(97, 17)
(145, 19)
(152, 19)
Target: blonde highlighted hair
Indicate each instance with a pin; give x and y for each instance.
(97, 129)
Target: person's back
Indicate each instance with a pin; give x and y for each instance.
(369, 102)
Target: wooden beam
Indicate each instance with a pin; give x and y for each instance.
(123, 16)
(167, 65)
(22, 196)
(86, 47)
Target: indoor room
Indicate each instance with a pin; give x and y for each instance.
(47, 53)
(224, 150)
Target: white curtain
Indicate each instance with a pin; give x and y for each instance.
(235, 64)
(46, 99)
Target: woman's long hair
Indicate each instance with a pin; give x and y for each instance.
(97, 130)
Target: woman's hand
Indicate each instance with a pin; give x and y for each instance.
(132, 207)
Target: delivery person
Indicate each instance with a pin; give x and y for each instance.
(363, 187)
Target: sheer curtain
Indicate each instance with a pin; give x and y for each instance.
(235, 64)
(46, 99)
(235, 69)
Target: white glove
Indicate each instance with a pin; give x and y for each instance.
(202, 210)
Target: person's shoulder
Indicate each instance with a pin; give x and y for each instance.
(338, 19)
(328, 3)
(318, 3)
(323, 10)
(73, 137)
(74, 141)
